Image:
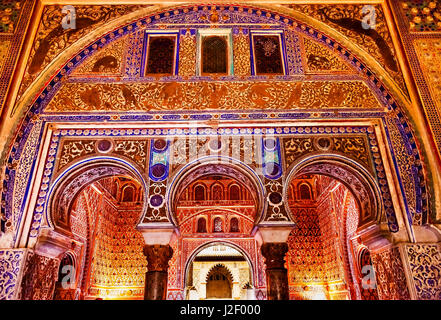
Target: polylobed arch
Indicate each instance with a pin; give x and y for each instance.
(352, 175)
(74, 179)
(196, 251)
(207, 166)
(221, 265)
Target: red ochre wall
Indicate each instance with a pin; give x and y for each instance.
(319, 254)
(113, 264)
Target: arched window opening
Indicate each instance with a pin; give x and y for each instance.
(267, 54)
(217, 225)
(64, 287)
(234, 225)
(199, 193)
(235, 192)
(305, 192)
(202, 225)
(115, 187)
(214, 55)
(217, 192)
(128, 194)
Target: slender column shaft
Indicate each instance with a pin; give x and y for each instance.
(276, 273)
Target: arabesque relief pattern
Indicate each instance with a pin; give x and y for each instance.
(77, 97)
(390, 274)
(425, 266)
(52, 38)
(347, 18)
(321, 59)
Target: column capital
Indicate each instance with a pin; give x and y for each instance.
(274, 254)
(158, 257)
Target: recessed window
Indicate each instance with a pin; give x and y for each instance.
(234, 225)
(268, 57)
(128, 194)
(214, 55)
(202, 225)
(215, 52)
(217, 225)
(305, 192)
(199, 193)
(160, 54)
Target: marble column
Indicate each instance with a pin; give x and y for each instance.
(276, 273)
(272, 240)
(158, 252)
(156, 277)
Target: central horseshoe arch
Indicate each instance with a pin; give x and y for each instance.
(215, 166)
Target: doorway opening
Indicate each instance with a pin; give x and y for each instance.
(103, 218)
(323, 251)
(219, 271)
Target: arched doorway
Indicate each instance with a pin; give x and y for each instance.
(220, 270)
(322, 260)
(105, 216)
(207, 212)
(98, 203)
(219, 283)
